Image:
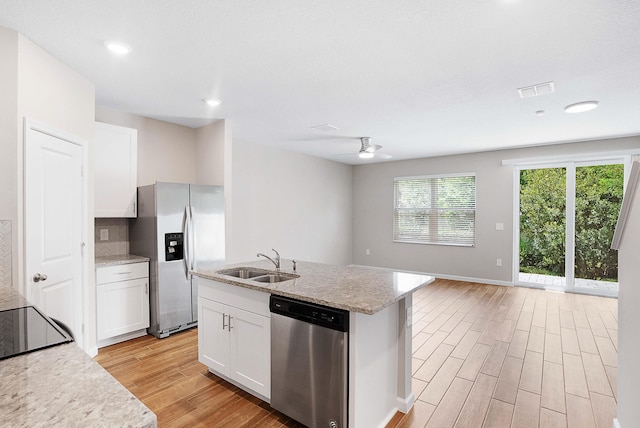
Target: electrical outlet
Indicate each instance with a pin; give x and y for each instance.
(367, 252)
(499, 226)
(104, 234)
(498, 262)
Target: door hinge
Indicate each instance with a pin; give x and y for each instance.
(134, 207)
(82, 246)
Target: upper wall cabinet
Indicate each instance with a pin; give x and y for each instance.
(115, 158)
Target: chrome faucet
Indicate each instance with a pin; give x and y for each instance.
(276, 261)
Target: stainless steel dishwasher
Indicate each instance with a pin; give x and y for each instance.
(309, 362)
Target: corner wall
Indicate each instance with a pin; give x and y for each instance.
(628, 411)
(373, 211)
(210, 147)
(297, 204)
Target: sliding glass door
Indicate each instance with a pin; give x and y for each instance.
(567, 215)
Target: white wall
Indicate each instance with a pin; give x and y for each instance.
(297, 204)
(373, 211)
(9, 146)
(628, 412)
(166, 151)
(34, 84)
(210, 146)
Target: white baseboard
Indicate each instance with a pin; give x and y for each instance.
(121, 338)
(616, 423)
(452, 277)
(93, 351)
(387, 418)
(405, 404)
(476, 280)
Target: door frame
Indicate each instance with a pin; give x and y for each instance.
(31, 126)
(570, 165)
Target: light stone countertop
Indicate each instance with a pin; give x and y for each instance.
(354, 288)
(120, 259)
(62, 386)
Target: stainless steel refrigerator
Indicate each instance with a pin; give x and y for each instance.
(180, 227)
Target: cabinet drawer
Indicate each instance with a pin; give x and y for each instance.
(235, 296)
(105, 275)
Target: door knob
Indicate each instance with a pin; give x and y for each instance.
(39, 277)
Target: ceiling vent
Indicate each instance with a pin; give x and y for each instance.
(535, 90)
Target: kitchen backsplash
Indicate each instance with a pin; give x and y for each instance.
(5, 253)
(118, 236)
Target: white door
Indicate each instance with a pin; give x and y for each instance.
(251, 350)
(213, 335)
(53, 224)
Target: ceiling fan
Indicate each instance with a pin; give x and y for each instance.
(368, 150)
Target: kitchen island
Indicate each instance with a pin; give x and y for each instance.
(379, 305)
(62, 386)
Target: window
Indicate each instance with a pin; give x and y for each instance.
(435, 209)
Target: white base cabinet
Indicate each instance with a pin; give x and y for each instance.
(234, 335)
(122, 302)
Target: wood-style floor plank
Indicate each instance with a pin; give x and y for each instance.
(476, 406)
(553, 396)
(527, 410)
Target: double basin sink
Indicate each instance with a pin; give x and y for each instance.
(258, 275)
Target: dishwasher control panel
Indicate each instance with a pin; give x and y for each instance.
(335, 319)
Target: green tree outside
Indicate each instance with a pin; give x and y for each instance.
(599, 191)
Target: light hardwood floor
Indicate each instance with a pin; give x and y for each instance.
(489, 356)
(483, 356)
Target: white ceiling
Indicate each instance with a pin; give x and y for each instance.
(422, 77)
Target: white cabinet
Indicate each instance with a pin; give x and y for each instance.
(234, 335)
(115, 156)
(122, 302)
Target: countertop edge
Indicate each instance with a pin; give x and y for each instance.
(120, 259)
(369, 310)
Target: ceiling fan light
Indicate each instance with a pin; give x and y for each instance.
(363, 154)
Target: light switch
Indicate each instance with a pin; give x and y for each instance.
(104, 234)
(499, 226)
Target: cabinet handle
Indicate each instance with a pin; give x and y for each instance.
(146, 288)
(124, 273)
(223, 323)
(230, 326)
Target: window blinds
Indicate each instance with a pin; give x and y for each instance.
(435, 209)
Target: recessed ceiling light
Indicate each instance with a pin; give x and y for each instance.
(213, 102)
(117, 47)
(581, 107)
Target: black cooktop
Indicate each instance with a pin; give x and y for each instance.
(27, 329)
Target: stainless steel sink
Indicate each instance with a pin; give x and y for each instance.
(258, 275)
(244, 272)
(275, 277)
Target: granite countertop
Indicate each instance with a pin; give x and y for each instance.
(120, 259)
(63, 386)
(354, 288)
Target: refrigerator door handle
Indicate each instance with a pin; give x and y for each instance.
(185, 231)
(192, 240)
